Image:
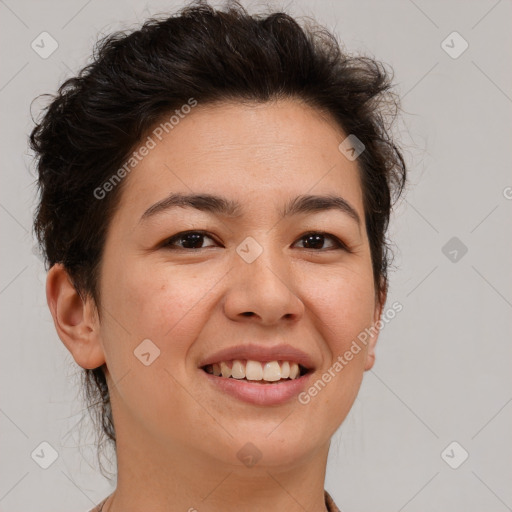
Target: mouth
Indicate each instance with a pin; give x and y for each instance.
(258, 383)
(260, 372)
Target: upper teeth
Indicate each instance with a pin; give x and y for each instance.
(254, 370)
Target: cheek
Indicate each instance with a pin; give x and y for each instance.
(343, 309)
(353, 315)
(343, 305)
(163, 306)
(163, 303)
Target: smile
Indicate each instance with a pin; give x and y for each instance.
(267, 383)
(256, 371)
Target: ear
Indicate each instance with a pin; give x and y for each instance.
(76, 321)
(380, 301)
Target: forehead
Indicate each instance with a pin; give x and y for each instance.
(247, 151)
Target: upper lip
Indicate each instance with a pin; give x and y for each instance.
(261, 353)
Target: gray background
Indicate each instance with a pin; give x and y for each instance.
(443, 364)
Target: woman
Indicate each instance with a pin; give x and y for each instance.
(215, 190)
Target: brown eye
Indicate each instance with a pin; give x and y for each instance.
(187, 239)
(315, 240)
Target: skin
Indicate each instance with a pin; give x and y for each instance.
(178, 438)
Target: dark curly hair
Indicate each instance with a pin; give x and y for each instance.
(97, 118)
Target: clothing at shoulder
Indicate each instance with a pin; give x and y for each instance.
(329, 503)
(99, 506)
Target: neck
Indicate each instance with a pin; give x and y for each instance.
(179, 478)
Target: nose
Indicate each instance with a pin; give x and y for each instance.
(264, 289)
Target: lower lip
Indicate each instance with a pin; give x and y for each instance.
(259, 394)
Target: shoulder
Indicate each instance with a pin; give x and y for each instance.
(99, 506)
(329, 503)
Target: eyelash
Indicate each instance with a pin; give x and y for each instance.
(168, 244)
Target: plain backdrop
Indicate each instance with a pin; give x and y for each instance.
(440, 389)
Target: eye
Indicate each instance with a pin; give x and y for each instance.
(194, 240)
(315, 240)
(189, 239)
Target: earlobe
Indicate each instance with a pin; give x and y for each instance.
(76, 326)
(370, 359)
(375, 329)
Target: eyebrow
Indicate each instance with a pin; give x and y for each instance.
(219, 205)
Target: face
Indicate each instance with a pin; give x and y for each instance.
(249, 277)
